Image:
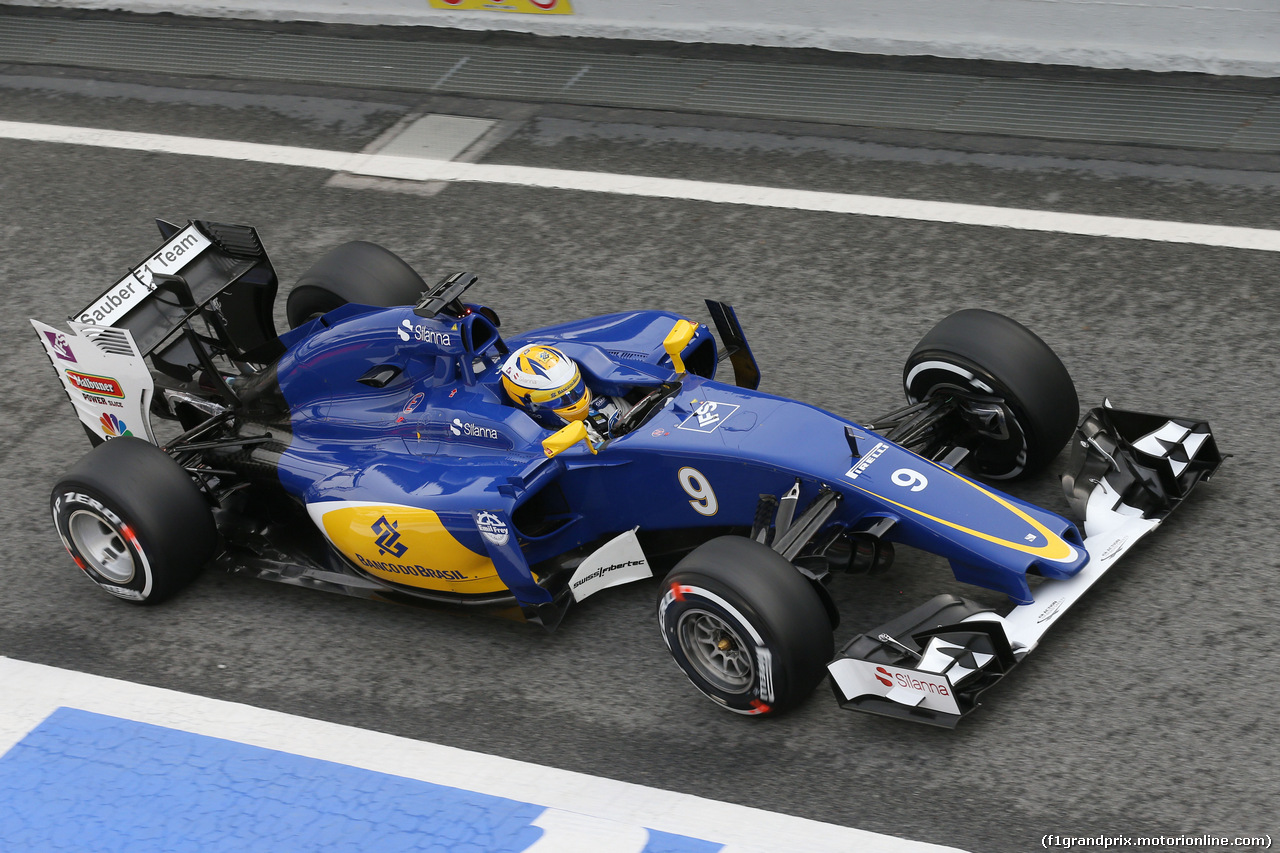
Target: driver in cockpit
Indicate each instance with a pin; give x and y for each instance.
(548, 385)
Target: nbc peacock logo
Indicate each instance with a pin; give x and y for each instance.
(113, 427)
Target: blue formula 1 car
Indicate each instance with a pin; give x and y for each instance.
(378, 449)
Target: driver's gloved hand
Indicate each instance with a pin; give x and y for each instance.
(599, 423)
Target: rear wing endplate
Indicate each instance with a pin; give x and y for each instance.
(104, 376)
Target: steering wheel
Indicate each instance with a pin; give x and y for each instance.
(644, 407)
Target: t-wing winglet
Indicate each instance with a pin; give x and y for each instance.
(446, 295)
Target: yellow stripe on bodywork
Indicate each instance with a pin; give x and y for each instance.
(406, 545)
(1055, 549)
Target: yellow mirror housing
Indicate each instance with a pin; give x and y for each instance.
(677, 339)
(567, 437)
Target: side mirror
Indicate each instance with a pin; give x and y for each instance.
(567, 437)
(677, 339)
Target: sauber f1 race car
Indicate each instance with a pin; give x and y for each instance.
(378, 449)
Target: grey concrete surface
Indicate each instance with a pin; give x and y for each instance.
(1015, 99)
(1212, 36)
(1147, 710)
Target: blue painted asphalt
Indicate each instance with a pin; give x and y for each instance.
(98, 765)
(82, 781)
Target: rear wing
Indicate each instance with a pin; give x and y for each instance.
(211, 269)
(208, 292)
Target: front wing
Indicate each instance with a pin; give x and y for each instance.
(1128, 471)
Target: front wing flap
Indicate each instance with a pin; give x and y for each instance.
(1127, 472)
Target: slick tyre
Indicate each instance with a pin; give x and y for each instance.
(745, 626)
(133, 520)
(358, 272)
(987, 354)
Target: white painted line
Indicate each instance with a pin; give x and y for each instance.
(418, 169)
(33, 691)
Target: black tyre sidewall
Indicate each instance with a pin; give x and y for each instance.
(310, 301)
(769, 604)
(153, 505)
(1020, 368)
(356, 272)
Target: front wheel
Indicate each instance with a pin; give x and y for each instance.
(984, 357)
(745, 626)
(133, 520)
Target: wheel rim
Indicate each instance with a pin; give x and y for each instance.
(716, 651)
(101, 545)
(1009, 459)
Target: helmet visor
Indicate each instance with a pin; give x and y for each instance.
(567, 400)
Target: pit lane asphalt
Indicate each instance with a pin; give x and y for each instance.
(1146, 710)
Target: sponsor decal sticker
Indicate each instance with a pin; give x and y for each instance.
(1050, 610)
(113, 427)
(460, 427)
(865, 462)
(708, 416)
(410, 406)
(606, 570)
(61, 346)
(1113, 549)
(388, 538)
(406, 545)
(492, 528)
(912, 680)
(128, 291)
(659, 432)
(87, 383)
(411, 570)
(424, 333)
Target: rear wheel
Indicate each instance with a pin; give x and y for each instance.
(980, 355)
(745, 626)
(133, 520)
(359, 272)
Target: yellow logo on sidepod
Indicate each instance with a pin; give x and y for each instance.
(406, 545)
